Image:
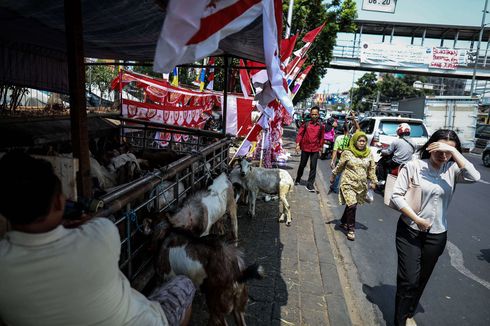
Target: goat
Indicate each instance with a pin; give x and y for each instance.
(122, 169)
(214, 265)
(269, 181)
(204, 208)
(165, 195)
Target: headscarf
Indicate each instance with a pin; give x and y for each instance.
(352, 145)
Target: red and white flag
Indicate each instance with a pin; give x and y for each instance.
(299, 81)
(245, 82)
(287, 47)
(193, 29)
(210, 85)
(308, 39)
(277, 80)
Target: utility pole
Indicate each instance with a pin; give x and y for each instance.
(478, 48)
(290, 19)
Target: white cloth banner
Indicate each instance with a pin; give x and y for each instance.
(401, 55)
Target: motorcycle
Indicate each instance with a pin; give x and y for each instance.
(383, 168)
(326, 150)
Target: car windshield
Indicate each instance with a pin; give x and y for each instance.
(389, 128)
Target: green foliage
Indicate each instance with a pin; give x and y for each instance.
(309, 14)
(100, 76)
(364, 92)
(391, 88)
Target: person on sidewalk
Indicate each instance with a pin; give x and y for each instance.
(341, 143)
(54, 275)
(358, 167)
(421, 236)
(310, 141)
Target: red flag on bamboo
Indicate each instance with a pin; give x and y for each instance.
(299, 81)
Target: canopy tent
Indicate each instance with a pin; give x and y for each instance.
(33, 42)
(41, 48)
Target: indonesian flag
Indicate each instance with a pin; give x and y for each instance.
(295, 70)
(238, 115)
(210, 85)
(193, 29)
(299, 81)
(277, 80)
(245, 82)
(287, 47)
(308, 39)
(262, 124)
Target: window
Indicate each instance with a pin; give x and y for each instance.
(389, 128)
(367, 126)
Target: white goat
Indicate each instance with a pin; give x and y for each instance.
(269, 181)
(204, 208)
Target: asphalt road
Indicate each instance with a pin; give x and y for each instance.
(458, 292)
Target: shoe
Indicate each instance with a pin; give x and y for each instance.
(343, 226)
(410, 322)
(312, 189)
(296, 182)
(351, 236)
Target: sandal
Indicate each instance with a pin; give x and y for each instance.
(351, 235)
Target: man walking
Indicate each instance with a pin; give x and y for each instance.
(310, 141)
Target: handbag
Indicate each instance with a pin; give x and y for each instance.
(413, 196)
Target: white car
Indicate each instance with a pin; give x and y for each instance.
(381, 131)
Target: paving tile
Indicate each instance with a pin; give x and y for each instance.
(313, 318)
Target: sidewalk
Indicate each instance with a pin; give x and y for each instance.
(302, 286)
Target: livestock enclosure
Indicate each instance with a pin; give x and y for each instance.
(201, 156)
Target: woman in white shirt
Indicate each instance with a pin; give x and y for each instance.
(421, 235)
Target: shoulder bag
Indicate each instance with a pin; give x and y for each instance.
(413, 196)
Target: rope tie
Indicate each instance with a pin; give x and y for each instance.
(133, 217)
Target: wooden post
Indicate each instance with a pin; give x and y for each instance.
(225, 93)
(76, 78)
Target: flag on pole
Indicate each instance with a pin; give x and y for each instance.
(299, 81)
(245, 82)
(287, 47)
(192, 30)
(308, 39)
(175, 77)
(295, 71)
(210, 85)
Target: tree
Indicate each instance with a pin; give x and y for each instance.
(309, 14)
(365, 92)
(100, 76)
(391, 88)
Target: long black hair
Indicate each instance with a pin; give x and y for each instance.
(441, 134)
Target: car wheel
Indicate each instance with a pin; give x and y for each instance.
(486, 159)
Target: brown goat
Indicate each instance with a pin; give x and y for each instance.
(211, 263)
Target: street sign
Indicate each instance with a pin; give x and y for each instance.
(379, 5)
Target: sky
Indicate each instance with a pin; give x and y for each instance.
(443, 12)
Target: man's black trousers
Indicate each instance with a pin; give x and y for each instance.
(313, 156)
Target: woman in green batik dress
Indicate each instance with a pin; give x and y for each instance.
(357, 167)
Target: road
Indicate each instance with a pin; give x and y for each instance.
(458, 292)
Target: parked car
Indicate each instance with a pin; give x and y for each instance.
(482, 131)
(381, 131)
(485, 156)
